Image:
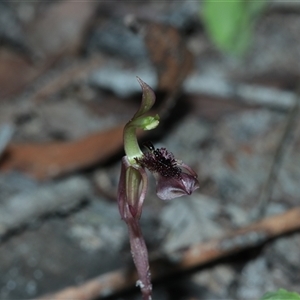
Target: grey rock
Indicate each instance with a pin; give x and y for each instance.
(189, 221)
(98, 227)
(13, 183)
(239, 216)
(122, 82)
(25, 207)
(114, 38)
(216, 279)
(255, 280)
(6, 133)
(183, 15)
(287, 249)
(10, 27)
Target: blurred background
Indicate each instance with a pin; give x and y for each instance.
(226, 75)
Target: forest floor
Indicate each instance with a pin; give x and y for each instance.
(67, 87)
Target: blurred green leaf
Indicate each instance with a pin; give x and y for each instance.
(230, 23)
(281, 294)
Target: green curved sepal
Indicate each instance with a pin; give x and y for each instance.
(140, 121)
(148, 99)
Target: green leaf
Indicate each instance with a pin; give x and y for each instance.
(230, 23)
(281, 294)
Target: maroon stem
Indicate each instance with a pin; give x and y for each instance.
(140, 257)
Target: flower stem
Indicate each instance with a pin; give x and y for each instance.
(140, 257)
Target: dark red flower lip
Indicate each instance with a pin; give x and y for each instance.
(170, 188)
(171, 180)
(160, 161)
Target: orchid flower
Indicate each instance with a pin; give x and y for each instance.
(173, 179)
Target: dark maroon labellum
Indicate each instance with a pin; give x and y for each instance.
(160, 161)
(171, 179)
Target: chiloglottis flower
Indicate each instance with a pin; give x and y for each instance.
(173, 177)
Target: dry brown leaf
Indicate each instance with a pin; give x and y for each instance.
(15, 73)
(169, 54)
(51, 160)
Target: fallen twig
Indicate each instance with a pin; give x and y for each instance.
(196, 255)
(54, 159)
